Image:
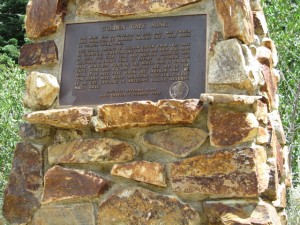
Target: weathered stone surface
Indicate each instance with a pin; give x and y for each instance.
(44, 17)
(283, 217)
(268, 43)
(263, 136)
(179, 141)
(264, 56)
(139, 206)
(223, 174)
(64, 184)
(270, 86)
(21, 196)
(229, 127)
(260, 23)
(287, 171)
(275, 120)
(240, 212)
(261, 112)
(275, 151)
(228, 66)
(104, 150)
(255, 5)
(35, 132)
(271, 191)
(147, 172)
(281, 197)
(146, 113)
(41, 90)
(227, 99)
(130, 7)
(75, 214)
(72, 118)
(35, 54)
(237, 19)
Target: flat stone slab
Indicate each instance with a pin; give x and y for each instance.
(147, 172)
(23, 192)
(104, 150)
(130, 7)
(223, 174)
(76, 214)
(233, 100)
(146, 113)
(229, 128)
(65, 184)
(142, 207)
(179, 141)
(36, 54)
(72, 118)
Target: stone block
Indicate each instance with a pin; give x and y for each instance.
(271, 191)
(223, 174)
(143, 171)
(228, 99)
(287, 170)
(104, 150)
(281, 197)
(72, 214)
(41, 91)
(264, 56)
(44, 17)
(240, 212)
(268, 43)
(23, 192)
(276, 123)
(35, 132)
(255, 5)
(67, 184)
(36, 54)
(228, 66)
(130, 7)
(270, 86)
(71, 118)
(260, 23)
(261, 112)
(237, 19)
(229, 128)
(146, 113)
(179, 141)
(139, 206)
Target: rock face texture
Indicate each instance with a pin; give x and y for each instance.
(220, 158)
(140, 206)
(104, 150)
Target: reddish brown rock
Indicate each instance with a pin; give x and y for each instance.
(237, 19)
(223, 174)
(147, 172)
(72, 118)
(270, 86)
(44, 17)
(231, 128)
(139, 206)
(36, 54)
(142, 114)
(72, 214)
(22, 195)
(130, 7)
(104, 150)
(240, 212)
(179, 141)
(65, 184)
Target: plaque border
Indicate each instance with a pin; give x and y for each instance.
(59, 106)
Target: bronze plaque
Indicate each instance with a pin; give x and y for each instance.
(135, 59)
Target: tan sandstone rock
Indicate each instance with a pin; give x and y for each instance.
(104, 150)
(223, 174)
(229, 128)
(237, 19)
(36, 54)
(65, 184)
(146, 113)
(265, 56)
(73, 214)
(41, 90)
(129, 7)
(228, 66)
(44, 17)
(277, 126)
(72, 118)
(240, 212)
(179, 141)
(147, 172)
(227, 99)
(260, 23)
(142, 207)
(23, 192)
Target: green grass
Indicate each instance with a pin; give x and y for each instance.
(11, 111)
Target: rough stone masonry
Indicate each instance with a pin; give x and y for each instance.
(219, 159)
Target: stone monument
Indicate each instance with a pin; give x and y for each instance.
(149, 112)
